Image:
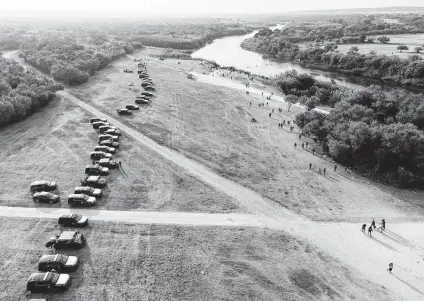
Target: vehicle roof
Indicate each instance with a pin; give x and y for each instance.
(40, 182)
(83, 188)
(104, 160)
(66, 235)
(42, 193)
(92, 166)
(93, 178)
(37, 277)
(49, 258)
(77, 195)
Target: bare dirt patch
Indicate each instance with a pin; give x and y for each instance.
(55, 143)
(212, 125)
(142, 262)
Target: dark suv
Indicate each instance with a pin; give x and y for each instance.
(67, 240)
(46, 197)
(90, 191)
(81, 200)
(107, 162)
(58, 262)
(110, 143)
(96, 170)
(124, 112)
(97, 119)
(94, 181)
(99, 155)
(43, 186)
(47, 282)
(72, 220)
(108, 137)
(104, 148)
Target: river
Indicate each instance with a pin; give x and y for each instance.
(227, 52)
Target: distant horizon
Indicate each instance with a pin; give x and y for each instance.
(190, 8)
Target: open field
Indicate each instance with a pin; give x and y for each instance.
(386, 49)
(54, 144)
(182, 263)
(212, 125)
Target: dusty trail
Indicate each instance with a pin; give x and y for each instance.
(402, 243)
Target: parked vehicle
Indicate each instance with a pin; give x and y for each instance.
(46, 197)
(58, 262)
(106, 162)
(149, 88)
(109, 142)
(132, 107)
(81, 200)
(124, 112)
(113, 132)
(43, 186)
(94, 181)
(128, 70)
(97, 119)
(161, 59)
(90, 191)
(99, 155)
(106, 149)
(96, 170)
(67, 240)
(107, 137)
(147, 93)
(104, 128)
(131, 84)
(146, 84)
(142, 101)
(48, 282)
(72, 220)
(98, 124)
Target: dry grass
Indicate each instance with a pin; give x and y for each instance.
(212, 125)
(54, 144)
(142, 262)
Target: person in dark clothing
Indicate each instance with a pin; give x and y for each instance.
(295, 145)
(272, 110)
(120, 165)
(300, 136)
(269, 114)
(390, 267)
(324, 171)
(369, 230)
(363, 227)
(303, 145)
(373, 224)
(383, 224)
(313, 151)
(307, 144)
(310, 166)
(335, 168)
(250, 103)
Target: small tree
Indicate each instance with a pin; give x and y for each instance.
(290, 99)
(383, 39)
(353, 50)
(418, 49)
(402, 47)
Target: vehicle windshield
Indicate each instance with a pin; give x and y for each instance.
(52, 277)
(62, 258)
(49, 194)
(76, 217)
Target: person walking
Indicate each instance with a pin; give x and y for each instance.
(120, 164)
(335, 168)
(300, 136)
(319, 171)
(324, 171)
(383, 224)
(250, 103)
(373, 224)
(303, 145)
(295, 144)
(369, 230)
(390, 267)
(307, 144)
(270, 115)
(313, 151)
(363, 227)
(310, 166)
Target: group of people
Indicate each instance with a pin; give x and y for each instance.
(372, 227)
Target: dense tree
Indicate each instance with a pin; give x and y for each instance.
(418, 49)
(402, 47)
(383, 39)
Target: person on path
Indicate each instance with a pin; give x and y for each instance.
(373, 224)
(270, 115)
(313, 151)
(300, 136)
(120, 164)
(307, 144)
(324, 171)
(390, 267)
(284, 121)
(319, 171)
(310, 166)
(369, 230)
(335, 168)
(266, 103)
(303, 145)
(272, 110)
(250, 103)
(295, 144)
(363, 227)
(262, 93)
(383, 224)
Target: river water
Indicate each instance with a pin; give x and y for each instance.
(227, 52)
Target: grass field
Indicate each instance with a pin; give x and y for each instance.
(55, 143)
(212, 125)
(386, 49)
(143, 262)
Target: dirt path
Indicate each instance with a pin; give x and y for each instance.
(401, 244)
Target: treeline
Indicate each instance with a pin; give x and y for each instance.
(22, 92)
(376, 133)
(390, 68)
(191, 44)
(69, 61)
(330, 28)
